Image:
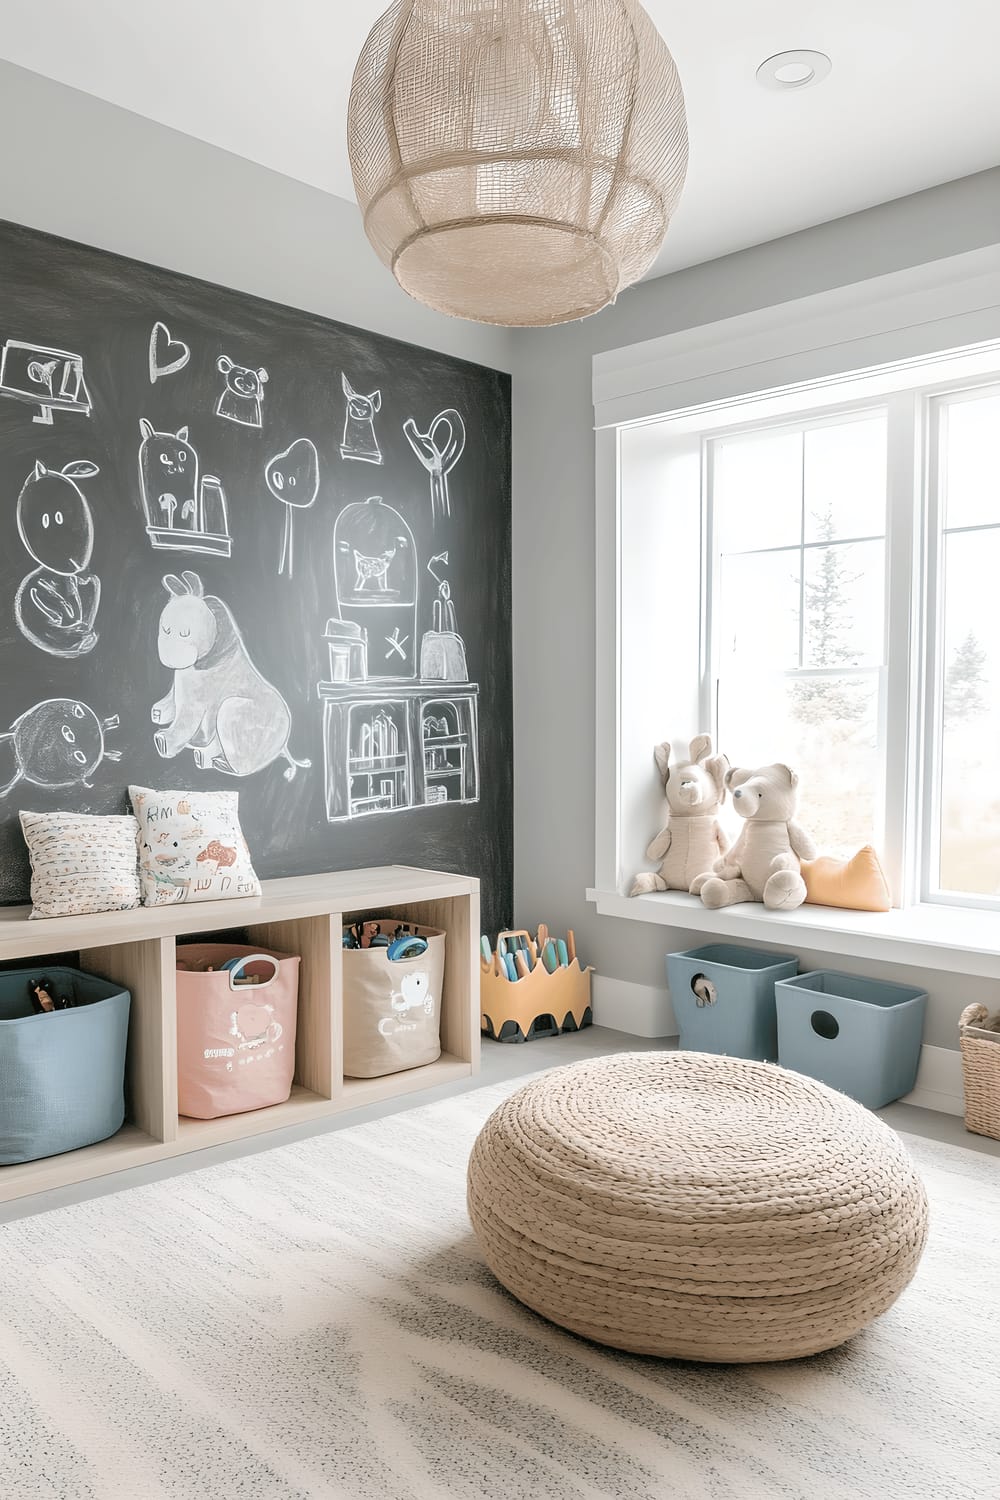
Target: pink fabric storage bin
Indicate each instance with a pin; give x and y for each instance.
(235, 1043)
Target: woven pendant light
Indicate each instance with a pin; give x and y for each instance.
(517, 161)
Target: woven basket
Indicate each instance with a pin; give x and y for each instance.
(981, 1071)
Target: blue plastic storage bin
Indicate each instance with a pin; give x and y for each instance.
(62, 1074)
(723, 998)
(861, 1036)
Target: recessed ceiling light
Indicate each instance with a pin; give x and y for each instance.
(793, 70)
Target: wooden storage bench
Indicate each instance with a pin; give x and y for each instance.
(303, 915)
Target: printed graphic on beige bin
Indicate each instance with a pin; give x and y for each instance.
(414, 993)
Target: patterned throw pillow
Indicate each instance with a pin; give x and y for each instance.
(191, 847)
(81, 863)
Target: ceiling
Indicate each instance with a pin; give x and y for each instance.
(912, 99)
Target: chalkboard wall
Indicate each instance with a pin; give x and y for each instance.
(246, 547)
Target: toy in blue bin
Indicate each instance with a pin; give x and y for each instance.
(723, 998)
(62, 1061)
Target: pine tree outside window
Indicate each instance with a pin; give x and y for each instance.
(798, 517)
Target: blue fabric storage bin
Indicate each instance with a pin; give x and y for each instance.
(861, 1036)
(723, 998)
(62, 1074)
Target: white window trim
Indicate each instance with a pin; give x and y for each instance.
(919, 314)
(956, 940)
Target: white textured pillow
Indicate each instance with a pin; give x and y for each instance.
(191, 847)
(81, 863)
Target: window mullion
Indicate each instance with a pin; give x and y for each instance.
(709, 695)
(901, 701)
(933, 651)
(802, 555)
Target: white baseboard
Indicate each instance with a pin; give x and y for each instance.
(939, 1081)
(645, 1010)
(639, 1009)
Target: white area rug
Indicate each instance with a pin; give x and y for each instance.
(316, 1322)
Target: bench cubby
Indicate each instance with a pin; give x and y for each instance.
(302, 914)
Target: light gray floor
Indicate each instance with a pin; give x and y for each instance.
(501, 1061)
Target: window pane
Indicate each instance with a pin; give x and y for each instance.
(845, 479)
(970, 798)
(827, 730)
(844, 600)
(758, 492)
(970, 471)
(758, 611)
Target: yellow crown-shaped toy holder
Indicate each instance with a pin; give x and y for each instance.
(539, 1002)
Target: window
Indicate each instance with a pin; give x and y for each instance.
(963, 851)
(798, 611)
(845, 547)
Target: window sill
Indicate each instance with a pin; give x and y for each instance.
(956, 939)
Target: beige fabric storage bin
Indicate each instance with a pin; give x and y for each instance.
(392, 1009)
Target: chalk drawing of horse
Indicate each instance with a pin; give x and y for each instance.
(220, 706)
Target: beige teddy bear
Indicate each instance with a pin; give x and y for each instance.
(693, 838)
(763, 864)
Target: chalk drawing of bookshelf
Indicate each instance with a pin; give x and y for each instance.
(389, 747)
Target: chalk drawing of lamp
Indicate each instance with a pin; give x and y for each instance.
(51, 379)
(438, 449)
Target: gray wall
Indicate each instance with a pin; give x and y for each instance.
(554, 542)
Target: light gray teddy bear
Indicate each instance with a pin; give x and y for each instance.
(693, 838)
(765, 862)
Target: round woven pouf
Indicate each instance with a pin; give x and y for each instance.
(697, 1207)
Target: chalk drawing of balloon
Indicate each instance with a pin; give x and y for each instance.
(58, 743)
(293, 478)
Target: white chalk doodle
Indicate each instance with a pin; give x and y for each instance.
(438, 449)
(293, 478)
(184, 512)
(375, 572)
(449, 736)
(51, 379)
(397, 645)
(442, 650)
(359, 440)
(56, 604)
(219, 705)
(167, 355)
(392, 747)
(393, 741)
(58, 743)
(243, 394)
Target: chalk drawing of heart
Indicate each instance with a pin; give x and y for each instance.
(166, 355)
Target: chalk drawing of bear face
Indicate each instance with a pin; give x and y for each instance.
(243, 394)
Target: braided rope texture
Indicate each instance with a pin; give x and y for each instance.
(696, 1207)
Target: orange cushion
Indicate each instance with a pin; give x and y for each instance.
(857, 884)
